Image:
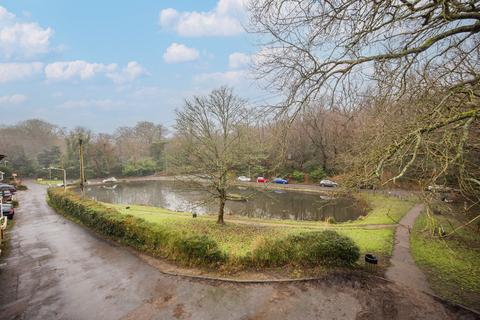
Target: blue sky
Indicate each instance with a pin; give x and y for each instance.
(104, 64)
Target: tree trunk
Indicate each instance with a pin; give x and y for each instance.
(221, 210)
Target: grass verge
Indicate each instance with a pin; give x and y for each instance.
(452, 264)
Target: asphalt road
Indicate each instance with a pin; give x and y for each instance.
(56, 269)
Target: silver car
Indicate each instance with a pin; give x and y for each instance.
(328, 183)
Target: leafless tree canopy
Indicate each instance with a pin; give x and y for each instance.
(410, 68)
(310, 47)
(210, 129)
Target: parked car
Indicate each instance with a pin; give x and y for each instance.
(8, 210)
(110, 180)
(328, 183)
(261, 180)
(6, 195)
(9, 187)
(244, 179)
(280, 181)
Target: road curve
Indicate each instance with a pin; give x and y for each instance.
(56, 269)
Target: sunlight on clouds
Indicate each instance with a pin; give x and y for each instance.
(22, 40)
(83, 70)
(67, 70)
(176, 53)
(224, 20)
(132, 71)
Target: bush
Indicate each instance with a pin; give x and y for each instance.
(308, 249)
(143, 167)
(136, 232)
(298, 176)
(317, 174)
(199, 248)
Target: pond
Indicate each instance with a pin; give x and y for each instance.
(277, 204)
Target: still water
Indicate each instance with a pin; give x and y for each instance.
(277, 204)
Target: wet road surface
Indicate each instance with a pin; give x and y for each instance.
(56, 269)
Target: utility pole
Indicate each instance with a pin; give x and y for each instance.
(82, 168)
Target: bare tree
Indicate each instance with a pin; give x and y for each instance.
(211, 130)
(397, 52)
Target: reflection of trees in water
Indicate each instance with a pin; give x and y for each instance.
(260, 204)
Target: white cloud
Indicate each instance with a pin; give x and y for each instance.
(22, 40)
(224, 20)
(132, 71)
(95, 103)
(229, 77)
(67, 70)
(168, 17)
(13, 99)
(84, 70)
(238, 60)
(180, 53)
(18, 71)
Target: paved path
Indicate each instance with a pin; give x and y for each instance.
(56, 269)
(403, 269)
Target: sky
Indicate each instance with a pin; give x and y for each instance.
(105, 64)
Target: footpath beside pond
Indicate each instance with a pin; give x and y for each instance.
(403, 269)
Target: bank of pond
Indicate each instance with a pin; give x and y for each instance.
(243, 242)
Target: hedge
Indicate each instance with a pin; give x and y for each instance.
(136, 232)
(307, 249)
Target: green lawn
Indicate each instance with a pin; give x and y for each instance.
(452, 264)
(48, 182)
(384, 210)
(240, 234)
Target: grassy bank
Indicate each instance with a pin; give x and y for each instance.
(201, 241)
(240, 235)
(452, 264)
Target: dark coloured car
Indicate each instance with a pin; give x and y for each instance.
(8, 210)
(6, 195)
(9, 187)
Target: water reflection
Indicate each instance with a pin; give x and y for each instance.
(279, 204)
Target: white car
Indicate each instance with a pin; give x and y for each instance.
(110, 180)
(328, 183)
(244, 179)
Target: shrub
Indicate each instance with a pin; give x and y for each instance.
(199, 248)
(136, 232)
(139, 168)
(298, 176)
(317, 174)
(309, 249)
